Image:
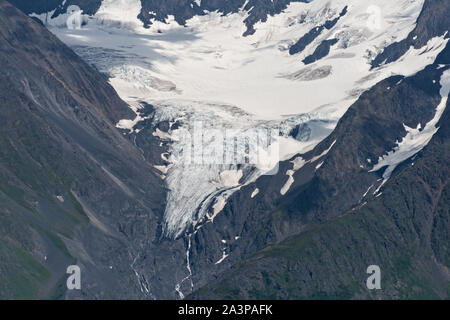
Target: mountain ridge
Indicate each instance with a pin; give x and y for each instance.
(160, 10)
(83, 177)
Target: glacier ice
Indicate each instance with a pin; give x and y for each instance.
(207, 72)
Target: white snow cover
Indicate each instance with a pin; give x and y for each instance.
(75, 19)
(224, 256)
(230, 178)
(128, 124)
(299, 163)
(208, 72)
(121, 13)
(254, 193)
(288, 183)
(415, 139)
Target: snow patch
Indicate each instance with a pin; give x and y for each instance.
(415, 139)
(210, 58)
(254, 81)
(254, 193)
(120, 13)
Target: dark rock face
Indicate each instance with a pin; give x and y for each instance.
(88, 6)
(335, 230)
(182, 10)
(310, 36)
(432, 22)
(73, 188)
(37, 6)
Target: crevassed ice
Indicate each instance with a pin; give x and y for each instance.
(208, 72)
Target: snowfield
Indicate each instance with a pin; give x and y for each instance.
(209, 60)
(207, 71)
